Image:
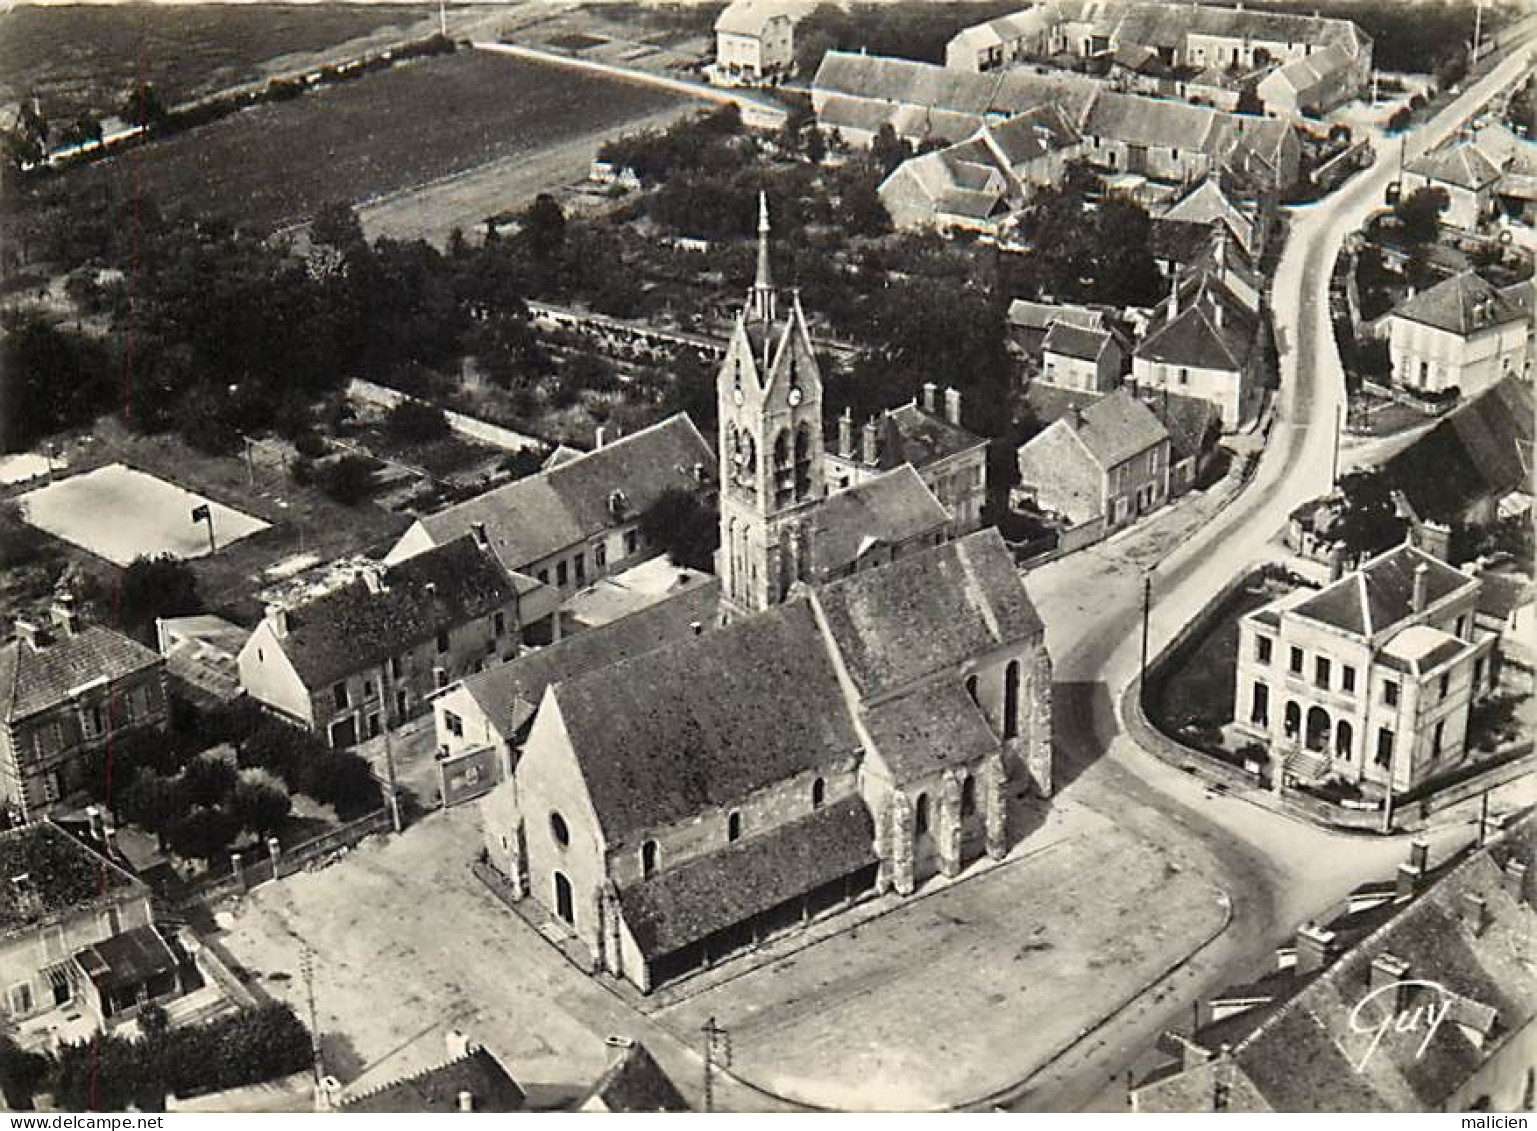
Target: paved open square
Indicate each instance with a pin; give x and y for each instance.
(121, 514)
(960, 994)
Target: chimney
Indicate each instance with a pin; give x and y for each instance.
(479, 530)
(277, 618)
(953, 405)
(1435, 538)
(696, 627)
(699, 473)
(1074, 417)
(1475, 913)
(1314, 945)
(846, 434)
(466, 1100)
(1421, 584)
(1336, 562)
(930, 397)
(871, 436)
(1216, 310)
(600, 436)
(456, 1044)
(31, 634)
(1390, 970)
(96, 823)
(66, 617)
(1412, 872)
(1174, 297)
(616, 504)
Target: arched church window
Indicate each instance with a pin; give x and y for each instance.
(648, 853)
(968, 796)
(921, 815)
(818, 793)
(782, 449)
(734, 826)
(558, 830)
(1011, 700)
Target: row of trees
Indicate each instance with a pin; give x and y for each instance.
(113, 1073)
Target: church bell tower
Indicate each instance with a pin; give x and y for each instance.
(769, 402)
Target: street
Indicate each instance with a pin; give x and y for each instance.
(1277, 870)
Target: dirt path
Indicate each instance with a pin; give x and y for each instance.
(432, 211)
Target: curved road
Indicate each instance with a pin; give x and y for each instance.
(1277, 871)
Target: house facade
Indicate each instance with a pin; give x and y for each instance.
(577, 521)
(754, 42)
(65, 689)
(368, 656)
(1109, 462)
(1089, 360)
(66, 912)
(1205, 341)
(1369, 680)
(1465, 173)
(951, 461)
(1462, 333)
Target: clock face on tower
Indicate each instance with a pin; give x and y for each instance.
(795, 395)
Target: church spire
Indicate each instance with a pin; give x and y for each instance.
(761, 302)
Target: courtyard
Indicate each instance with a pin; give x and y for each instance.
(119, 514)
(940, 1000)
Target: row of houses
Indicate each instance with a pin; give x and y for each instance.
(1488, 174)
(1014, 132)
(1299, 65)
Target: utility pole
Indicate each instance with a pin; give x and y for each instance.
(1334, 464)
(1147, 605)
(1483, 818)
(1478, 31)
(717, 1050)
(389, 746)
(443, 18)
(317, 1064)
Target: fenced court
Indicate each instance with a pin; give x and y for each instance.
(121, 514)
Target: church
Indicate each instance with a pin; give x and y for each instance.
(875, 693)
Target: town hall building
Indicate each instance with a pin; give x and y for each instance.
(876, 693)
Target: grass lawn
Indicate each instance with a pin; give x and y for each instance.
(80, 58)
(275, 164)
(1198, 690)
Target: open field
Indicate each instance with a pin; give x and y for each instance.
(121, 514)
(275, 164)
(80, 58)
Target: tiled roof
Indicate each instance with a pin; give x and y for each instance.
(128, 960)
(1207, 204)
(1465, 304)
(913, 435)
(929, 730)
(748, 17)
(438, 1089)
(927, 613)
(1005, 29)
(1118, 427)
(510, 693)
(1462, 164)
(891, 508)
(681, 905)
(1075, 341)
(635, 1082)
(1041, 315)
(1192, 422)
(1196, 336)
(1501, 594)
(1141, 120)
(62, 874)
(1033, 134)
(1483, 450)
(1321, 1050)
(1168, 25)
(1379, 595)
(1321, 69)
(358, 626)
(654, 749)
(532, 518)
(36, 679)
(1421, 648)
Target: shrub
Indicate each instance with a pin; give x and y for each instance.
(203, 833)
(348, 481)
(307, 443)
(260, 808)
(208, 781)
(21, 1073)
(412, 422)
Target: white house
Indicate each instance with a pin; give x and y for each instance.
(754, 41)
(1462, 333)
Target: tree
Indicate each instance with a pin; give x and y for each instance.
(151, 588)
(203, 833)
(816, 146)
(1419, 213)
(142, 106)
(888, 149)
(21, 1073)
(349, 480)
(414, 422)
(682, 525)
(208, 781)
(543, 229)
(337, 225)
(51, 378)
(153, 802)
(260, 808)
(1369, 522)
